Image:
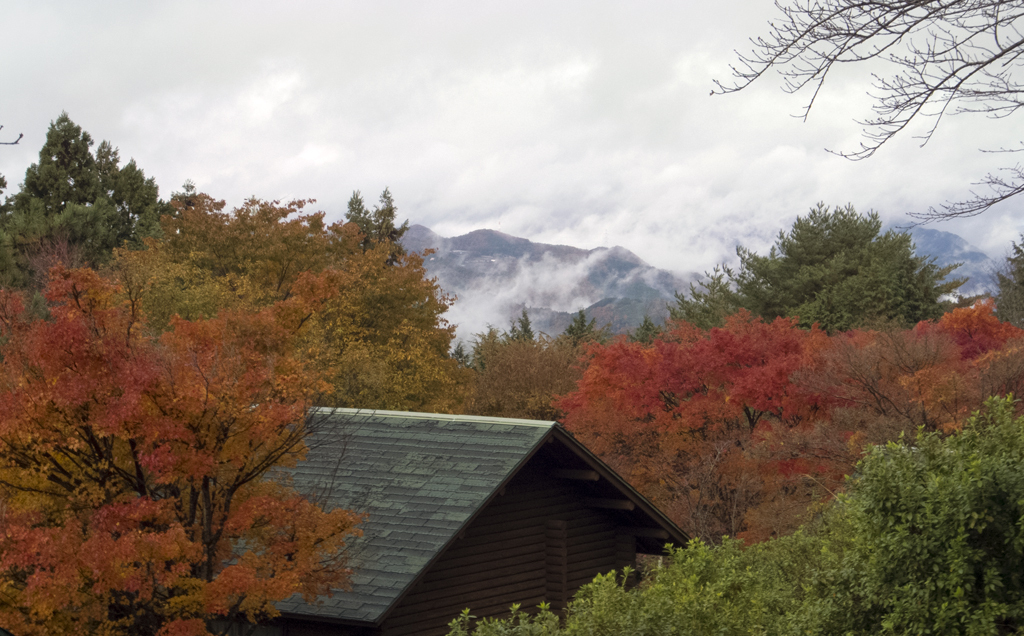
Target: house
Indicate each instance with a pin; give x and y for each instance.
(463, 512)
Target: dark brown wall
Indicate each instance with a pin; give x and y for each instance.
(537, 541)
(310, 628)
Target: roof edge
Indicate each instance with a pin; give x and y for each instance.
(437, 416)
(317, 618)
(561, 434)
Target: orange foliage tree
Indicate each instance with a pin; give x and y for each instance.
(136, 471)
(740, 430)
(890, 381)
(517, 374)
(977, 330)
(699, 421)
(883, 383)
(381, 340)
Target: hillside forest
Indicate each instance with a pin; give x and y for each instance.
(158, 358)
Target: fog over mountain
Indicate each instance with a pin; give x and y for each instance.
(495, 275)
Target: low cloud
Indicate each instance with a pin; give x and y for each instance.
(580, 123)
(493, 285)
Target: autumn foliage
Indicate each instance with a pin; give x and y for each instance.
(147, 424)
(742, 430)
(685, 417)
(137, 471)
(976, 330)
(380, 338)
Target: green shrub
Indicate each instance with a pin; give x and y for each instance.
(544, 623)
(699, 590)
(936, 533)
(929, 539)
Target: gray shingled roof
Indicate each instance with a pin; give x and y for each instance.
(420, 477)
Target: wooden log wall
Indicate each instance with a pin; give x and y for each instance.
(556, 537)
(305, 628)
(538, 541)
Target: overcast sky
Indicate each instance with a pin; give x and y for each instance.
(584, 123)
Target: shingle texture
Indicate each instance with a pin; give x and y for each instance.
(419, 478)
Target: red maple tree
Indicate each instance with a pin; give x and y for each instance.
(699, 421)
(976, 330)
(135, 470)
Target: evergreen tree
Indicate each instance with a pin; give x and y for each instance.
(520, 329)
(5, 203)
(358, 214)
(187, 199)
(485, 345)
(460, 355)
(1010, 296)
(75, 207)
(581, 331)
(7, 261)
(710, 304)
(378, 226)
(646, 332)
(134, 197)
(834, 268)
(66, 173)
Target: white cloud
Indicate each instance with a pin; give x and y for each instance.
(583, 123)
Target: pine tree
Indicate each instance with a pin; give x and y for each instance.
(520, 329)
(710, 301)
(646, 332)
(66, 173)
(581, 331)
(460, 355)
(75, 207)
(378, 226)
(5, 204)
(1010, 297)
(834, 268)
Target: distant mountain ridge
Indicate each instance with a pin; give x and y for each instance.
(948, 248)
(495, 275)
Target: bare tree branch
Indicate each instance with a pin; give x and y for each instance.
(947, 57)
(11, 143)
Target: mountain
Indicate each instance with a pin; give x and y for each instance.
(495, 275)
(948, 248)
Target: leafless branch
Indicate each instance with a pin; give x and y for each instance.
(947, 57)
(11, 143)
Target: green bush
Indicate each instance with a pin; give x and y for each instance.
(698, 590)
(929, 539)
(544, 623)
(936, 542)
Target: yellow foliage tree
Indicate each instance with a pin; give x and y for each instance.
(520, 376)
(381, 341)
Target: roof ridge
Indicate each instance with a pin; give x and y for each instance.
(438, 416)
